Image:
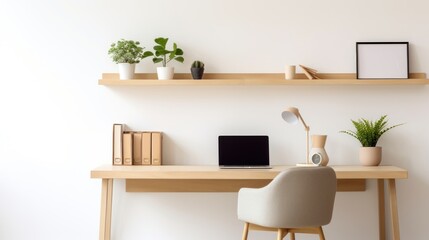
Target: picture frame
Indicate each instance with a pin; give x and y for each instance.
(382, 60)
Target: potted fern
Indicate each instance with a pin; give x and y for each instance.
(165, 56)
(126, 53)
(368, 133)
(197, 70)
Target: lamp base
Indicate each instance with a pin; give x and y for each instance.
(306, 165)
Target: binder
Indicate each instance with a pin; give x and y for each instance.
(137, 148)
(117, 144)
(128, 148)
(146, 148)
(156, 148)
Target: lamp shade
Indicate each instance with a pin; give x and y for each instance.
(291, 115)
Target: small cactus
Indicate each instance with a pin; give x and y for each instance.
(198, 64)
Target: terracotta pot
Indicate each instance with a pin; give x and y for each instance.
(370, 156)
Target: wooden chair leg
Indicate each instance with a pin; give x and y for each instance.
(321, 235)
(284, 233)
(280, 234)
(292, 236)
(245, 231)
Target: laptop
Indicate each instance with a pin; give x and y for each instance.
(243, 151)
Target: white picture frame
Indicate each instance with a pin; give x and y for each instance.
(382, 60)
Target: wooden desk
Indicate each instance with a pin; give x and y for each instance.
(212, 179)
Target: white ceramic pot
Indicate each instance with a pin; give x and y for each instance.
(370, 156)
(165, 73)
(318, 156)
(126, 70)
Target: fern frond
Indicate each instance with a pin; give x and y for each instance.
(368, 132)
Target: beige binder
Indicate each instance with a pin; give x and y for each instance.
(137, 148)
(117, 144)
(156, 148)
(128, 148)
(146, 148)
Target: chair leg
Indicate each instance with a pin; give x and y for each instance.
(245, 231)
(292, 236)
(280, 234)
(321, 235)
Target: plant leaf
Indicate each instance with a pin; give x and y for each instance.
(179, 52)
(158, 48)
(157, 60)
(161, 41)
(147, 54)
(368, 132)
(180, 59)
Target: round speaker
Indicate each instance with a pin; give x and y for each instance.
(316, 158)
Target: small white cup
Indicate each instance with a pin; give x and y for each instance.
(290, 72)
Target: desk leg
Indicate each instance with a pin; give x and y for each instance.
(394, 209)
(381, 210)
(106, 208)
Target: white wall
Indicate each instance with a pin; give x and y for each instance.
(57, 121)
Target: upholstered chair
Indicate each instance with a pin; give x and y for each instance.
(297, 200)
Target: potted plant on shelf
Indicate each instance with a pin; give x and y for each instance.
(368, 133)
(165, 56)
(197, 69)
(126, 53)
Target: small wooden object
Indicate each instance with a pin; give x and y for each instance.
(309, 72)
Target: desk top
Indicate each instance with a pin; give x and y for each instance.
(214, 172)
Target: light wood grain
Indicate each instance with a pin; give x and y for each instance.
(214, 172)
(224, 185)
(106, 209)
(381, 210)
(351, 176)
(245, 231)
(181, 79)
(394, 209)
(282, 232)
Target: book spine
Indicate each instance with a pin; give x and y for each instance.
(117, 144)
(137, 148)
(128, 148)
(156, 148)
(146, 148)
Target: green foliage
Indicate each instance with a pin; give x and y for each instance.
(368, 132)
(127, 51)
(165, 56)
(197, 64)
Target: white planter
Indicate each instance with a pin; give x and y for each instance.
(126, 71)
(321, 159)
(165, 73)
(370, 156)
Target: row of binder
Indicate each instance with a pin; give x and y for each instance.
(136, 147)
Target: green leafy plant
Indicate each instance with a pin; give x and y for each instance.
(165, 56)
(197, 64)
(368, 132)
(127, 51)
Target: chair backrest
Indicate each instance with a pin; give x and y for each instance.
(302, 197)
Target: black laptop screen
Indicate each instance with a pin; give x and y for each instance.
(243, 150)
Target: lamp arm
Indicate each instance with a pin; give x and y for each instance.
(307, 128)
(307, 132)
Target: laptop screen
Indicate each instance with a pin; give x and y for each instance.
(243, 150)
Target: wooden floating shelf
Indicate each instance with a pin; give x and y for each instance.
(150, 79)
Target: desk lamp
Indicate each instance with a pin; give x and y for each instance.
(292, 115)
